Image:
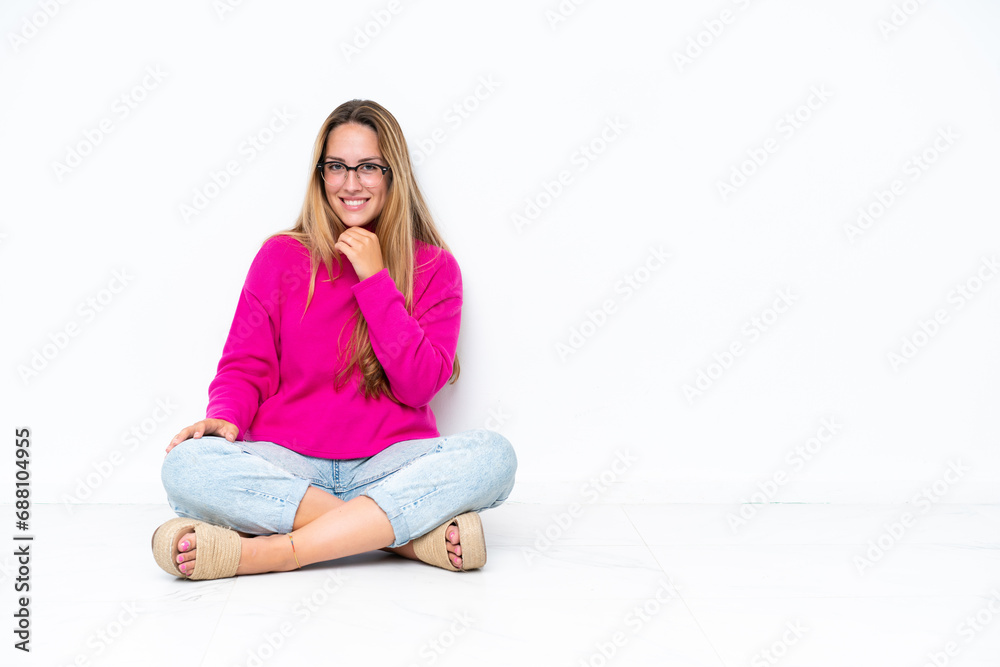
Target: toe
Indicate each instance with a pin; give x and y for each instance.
(187, 542)
(452, 543)
(186, 553)
(186, 562)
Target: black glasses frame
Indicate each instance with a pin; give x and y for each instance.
(321, 165)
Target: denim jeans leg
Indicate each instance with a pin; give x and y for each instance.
(252, 487)
(420, 484)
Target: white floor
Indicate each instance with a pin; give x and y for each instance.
(613, 585)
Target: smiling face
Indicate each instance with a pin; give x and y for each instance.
(355, 204)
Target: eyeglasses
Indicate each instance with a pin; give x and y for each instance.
(335, 173)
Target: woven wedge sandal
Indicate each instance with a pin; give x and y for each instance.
(431, 548)
(218, 548)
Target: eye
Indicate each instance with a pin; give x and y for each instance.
(334, 167)
(368, 168)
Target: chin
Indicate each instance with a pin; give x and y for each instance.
(356, 223)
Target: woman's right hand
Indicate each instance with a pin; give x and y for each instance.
(221, 427)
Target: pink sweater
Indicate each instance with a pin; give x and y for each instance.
(276, 380)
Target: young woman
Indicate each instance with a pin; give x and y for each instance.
(318, 441)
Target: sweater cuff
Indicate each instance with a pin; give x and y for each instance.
(229, 417)
(376, 281)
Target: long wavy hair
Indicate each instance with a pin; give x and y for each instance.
(404, 219)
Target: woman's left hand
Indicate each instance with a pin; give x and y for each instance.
(361, 248)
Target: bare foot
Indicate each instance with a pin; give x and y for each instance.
(452, 541)
(262, 553)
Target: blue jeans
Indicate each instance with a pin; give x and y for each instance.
(256, 487)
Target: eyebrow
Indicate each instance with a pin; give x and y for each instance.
(340, 159)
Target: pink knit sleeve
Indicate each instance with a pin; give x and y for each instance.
(416, 351)
(248, 370)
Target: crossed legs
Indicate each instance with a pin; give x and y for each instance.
(325, 528)
(398, 494)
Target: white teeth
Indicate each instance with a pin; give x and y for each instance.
(354, 202)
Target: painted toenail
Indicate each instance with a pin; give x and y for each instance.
(184, 568)
(180, 558)
(184, 545)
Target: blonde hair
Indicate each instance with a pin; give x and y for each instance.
(404, 219)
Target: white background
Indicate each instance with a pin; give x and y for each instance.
(654, 185)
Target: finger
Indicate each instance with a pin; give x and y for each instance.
(358, 235)
(345, 250)
(223, 428)
(181, 436)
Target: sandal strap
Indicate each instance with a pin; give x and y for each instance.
(223, 552)
(431, 548)
(218, 548)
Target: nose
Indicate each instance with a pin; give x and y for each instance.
(355, 184)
